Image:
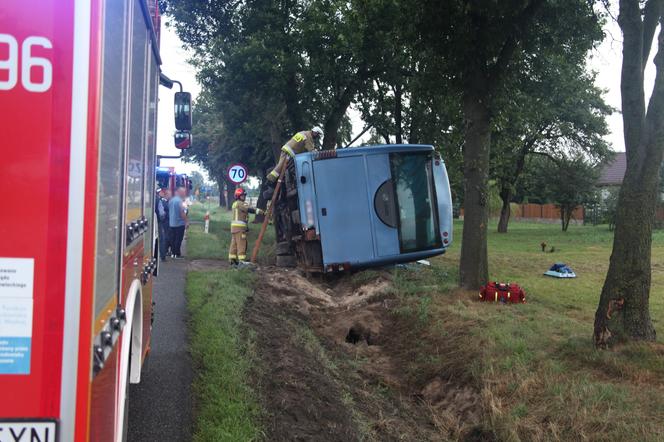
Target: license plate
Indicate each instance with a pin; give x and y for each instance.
(28, 431)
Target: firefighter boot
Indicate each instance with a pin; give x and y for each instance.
(245, 264)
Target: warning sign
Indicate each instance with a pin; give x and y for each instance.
(16, 293)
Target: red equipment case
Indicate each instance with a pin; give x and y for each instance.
(503, 292)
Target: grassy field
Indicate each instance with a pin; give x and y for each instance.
(535, 366)
(222, 349)
(214, 245)
(540, 376)
(516, 256)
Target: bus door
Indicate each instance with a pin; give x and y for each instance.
(343, 210)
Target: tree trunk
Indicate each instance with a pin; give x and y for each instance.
(333, 122)
(230, 191)
(222, 192)
(623, 312)
(261, 203)
(398, 105)
(567, 216)
(505, 210)
(474, 265)
(293, 107)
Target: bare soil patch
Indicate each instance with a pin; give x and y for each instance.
(207, 264)
(339, 363)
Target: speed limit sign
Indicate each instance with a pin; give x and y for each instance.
(237, 173)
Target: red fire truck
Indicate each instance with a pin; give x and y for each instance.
(167, 178)
(78, 106)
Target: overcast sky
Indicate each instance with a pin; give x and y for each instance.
(606, 61)
(174, 65)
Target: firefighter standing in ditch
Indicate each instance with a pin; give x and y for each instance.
(301, 142)
(239, 227)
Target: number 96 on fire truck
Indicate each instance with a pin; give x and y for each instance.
(79, 83)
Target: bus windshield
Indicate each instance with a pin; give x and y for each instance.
(412, 178)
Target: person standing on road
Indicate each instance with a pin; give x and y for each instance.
(304, 141)
(178, 221)
(161, 212)
(239, 227)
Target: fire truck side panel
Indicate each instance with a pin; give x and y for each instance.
(147, 324)
(102, 403)
(136, 123)
(78, 86)
(76, 398)
(112, 41)
(35, 111)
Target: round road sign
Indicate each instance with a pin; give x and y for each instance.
(237, 173)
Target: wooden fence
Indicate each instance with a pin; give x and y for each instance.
(545, 213)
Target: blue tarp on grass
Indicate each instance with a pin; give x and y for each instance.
(560, 270)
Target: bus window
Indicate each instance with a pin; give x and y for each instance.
(413, 187)
(385, 205)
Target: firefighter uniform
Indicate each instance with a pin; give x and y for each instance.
(301, 142)
(239, 228)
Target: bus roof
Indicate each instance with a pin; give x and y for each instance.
(384, 148)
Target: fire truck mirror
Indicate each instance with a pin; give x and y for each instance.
(183, 111)
(182, 139)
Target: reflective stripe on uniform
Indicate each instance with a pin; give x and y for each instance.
(274, 174)
(236, 222)
(232, 256)
(242, 257)
(287, 149)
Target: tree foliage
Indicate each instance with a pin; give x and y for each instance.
(487, 47)
(555, 109)
(464, 75)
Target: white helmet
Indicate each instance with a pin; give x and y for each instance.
(318, 130)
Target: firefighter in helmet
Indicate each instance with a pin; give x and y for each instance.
(239, 227)
(301, 142)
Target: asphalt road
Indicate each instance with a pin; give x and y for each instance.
(160, 407)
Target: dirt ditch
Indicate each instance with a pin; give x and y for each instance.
(336, 362)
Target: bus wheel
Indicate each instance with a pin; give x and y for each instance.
(283, 248)
(286, 261)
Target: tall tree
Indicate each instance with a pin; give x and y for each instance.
(571, 184)
(481, 42)
(623, 312)
(303, 62)
(553, 108)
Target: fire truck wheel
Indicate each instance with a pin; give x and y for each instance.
(286, 261)
(283, 248)
(125, 413)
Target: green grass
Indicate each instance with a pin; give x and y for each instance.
(222, 348)
(214, 245)
(540, 374)
(516, 256)
(226, 407)
(535, 366)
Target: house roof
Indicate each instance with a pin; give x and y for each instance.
(613, 171)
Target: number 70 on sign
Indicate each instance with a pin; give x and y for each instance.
(237, 173)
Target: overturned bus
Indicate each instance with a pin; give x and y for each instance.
(363, 207)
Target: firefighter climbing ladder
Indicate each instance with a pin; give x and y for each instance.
(268, 214)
